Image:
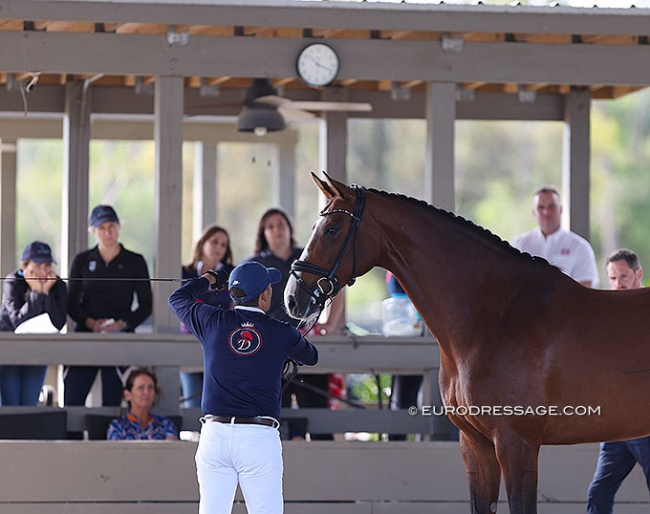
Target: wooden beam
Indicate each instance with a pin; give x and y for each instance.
(124, 54)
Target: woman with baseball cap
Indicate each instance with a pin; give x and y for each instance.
(244, 351)
(98, 304)
(31, 291)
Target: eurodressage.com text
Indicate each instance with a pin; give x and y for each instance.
(504, 410)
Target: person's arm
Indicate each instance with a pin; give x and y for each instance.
(20, 302)
(585, 270)
(142, 289)
(334, 315)
(171, 434)
(301, 350)
(182, 304)
(114, 431)
(56, 303)
(75, 294)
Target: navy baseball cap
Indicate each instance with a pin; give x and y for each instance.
(252, 278)
(37, 252)
(102, 214)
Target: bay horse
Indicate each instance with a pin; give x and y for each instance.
(513, 332)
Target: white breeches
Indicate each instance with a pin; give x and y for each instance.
(250, 455)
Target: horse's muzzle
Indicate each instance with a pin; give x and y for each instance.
(299, 304)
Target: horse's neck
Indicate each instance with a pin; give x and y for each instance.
(441, 264)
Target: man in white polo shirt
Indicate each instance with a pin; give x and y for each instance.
(567, 250)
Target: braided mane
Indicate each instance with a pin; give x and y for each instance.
(460, 221)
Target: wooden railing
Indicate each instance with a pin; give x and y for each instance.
(168, 352)
(96, 477)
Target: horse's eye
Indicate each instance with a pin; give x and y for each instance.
(331, 231)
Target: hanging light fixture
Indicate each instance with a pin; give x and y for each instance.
(258, 117)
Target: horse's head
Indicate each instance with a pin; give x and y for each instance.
(331, 258)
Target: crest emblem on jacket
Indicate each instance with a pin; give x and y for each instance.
(245, 340)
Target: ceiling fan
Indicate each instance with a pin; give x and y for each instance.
(263, 108)
(296, 110)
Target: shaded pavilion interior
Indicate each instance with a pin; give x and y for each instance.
(168, 70)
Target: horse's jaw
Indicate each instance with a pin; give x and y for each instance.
(299, 304)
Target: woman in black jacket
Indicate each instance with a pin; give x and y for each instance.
(101, 299)
(31, 291)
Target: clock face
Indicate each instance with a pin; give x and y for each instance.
(317, 65)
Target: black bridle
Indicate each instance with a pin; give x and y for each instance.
(328, 285)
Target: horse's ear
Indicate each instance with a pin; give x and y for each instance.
(326, 186)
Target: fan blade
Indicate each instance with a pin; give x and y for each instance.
(290, 113)
(286, 107)
(316, 105)
(334, 106)
(273, 100)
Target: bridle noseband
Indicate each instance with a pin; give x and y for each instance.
(328, 285)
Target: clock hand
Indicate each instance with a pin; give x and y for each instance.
(318, 63)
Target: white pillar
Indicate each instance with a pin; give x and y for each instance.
(204, 192)
(439, 165)
(439, 190)
(333, 160)
(76, 163)
(284, 175)
(8, 207)
(333, 149)
(168, 134)
(576, 160)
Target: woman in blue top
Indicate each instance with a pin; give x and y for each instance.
(139, 424)
(211, 251)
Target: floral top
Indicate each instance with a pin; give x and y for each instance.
(128, 428)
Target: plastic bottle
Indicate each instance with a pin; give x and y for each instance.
(400, 317)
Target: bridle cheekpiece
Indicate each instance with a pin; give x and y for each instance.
(328, 285)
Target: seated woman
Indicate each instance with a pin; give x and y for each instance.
(138, 423)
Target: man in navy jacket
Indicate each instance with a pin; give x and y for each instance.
(244, 353)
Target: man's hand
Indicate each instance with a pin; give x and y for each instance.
(218, 279)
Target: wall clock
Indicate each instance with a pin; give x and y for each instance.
(317, 65)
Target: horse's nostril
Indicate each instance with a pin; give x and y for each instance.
(291, 302)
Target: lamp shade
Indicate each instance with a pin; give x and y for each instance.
(260, 118)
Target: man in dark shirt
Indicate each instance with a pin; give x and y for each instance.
(244, 353)
(617, 458)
